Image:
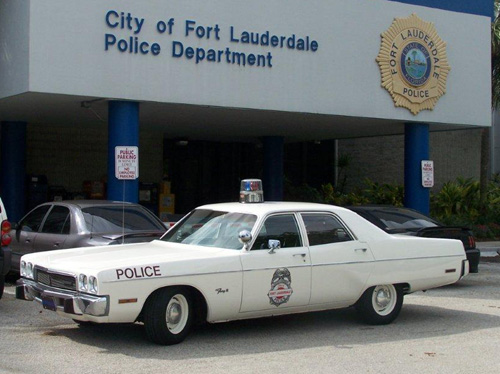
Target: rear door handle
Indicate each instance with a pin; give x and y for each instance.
(361, 249)
(302, 255)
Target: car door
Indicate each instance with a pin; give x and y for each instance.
(279, 278)
(54, 231)
(341, 264)
(25, 233)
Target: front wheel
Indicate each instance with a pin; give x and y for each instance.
(85, 323)
(168, 316)
(2, 284)
(380, 305)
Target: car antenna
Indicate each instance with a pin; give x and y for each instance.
(123, 214)
(91, 226)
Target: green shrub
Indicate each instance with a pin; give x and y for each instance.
(456, 204)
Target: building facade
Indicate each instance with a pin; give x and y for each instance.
(213, 91)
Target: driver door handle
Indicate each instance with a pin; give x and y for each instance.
(361, 249)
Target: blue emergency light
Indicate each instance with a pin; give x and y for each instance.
(251, 191)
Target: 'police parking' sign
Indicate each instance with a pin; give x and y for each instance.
(126, 163)
(427, 173)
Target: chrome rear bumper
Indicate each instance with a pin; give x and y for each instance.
(465, 268)
(63, 301)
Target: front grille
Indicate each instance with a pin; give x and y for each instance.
(66, 282)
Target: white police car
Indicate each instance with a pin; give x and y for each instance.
(242, 260)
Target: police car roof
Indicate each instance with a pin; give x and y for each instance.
(270, 207)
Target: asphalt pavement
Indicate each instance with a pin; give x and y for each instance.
(489, 249)
(449, 330)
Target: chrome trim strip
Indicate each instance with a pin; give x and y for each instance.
(289, 267)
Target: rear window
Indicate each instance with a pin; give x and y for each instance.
(402, 219)
(106, 219)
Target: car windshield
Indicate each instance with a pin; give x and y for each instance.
(403, 219)
(110, 219)
(210, 228)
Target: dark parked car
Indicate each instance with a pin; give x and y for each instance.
(395, 220)
(84, 223)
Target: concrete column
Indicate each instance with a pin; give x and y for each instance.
(123, 130)
(416, 149)
(13, 169)
(273, 168)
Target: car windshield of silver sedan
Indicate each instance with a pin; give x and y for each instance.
(210, 228)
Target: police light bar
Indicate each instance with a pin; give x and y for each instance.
(251, 191)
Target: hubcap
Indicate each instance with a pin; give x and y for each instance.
(174, 313)
(177, 313)
(384, 299)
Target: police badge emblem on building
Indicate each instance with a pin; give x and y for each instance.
(413, 64)
(281, 287)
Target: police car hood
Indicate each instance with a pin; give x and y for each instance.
(172, 258)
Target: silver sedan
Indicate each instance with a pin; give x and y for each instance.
(84, 223)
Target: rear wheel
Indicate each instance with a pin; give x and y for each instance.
(380, 305)
(168, 315)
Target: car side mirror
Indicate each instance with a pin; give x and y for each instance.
(273, 245)
(245, 237)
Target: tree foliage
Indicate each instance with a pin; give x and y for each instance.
(495, 57)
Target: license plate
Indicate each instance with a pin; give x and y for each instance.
(48, 303)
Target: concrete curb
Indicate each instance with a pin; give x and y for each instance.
(488, 249)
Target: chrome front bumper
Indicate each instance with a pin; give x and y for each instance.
(62, 301)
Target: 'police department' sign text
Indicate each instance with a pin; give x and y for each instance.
(265, 41)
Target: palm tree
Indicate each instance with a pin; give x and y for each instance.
(495, 102)
(495, 57)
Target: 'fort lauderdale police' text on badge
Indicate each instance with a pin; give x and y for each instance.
(413, 64)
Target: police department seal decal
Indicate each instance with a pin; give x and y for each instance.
(413, 64)
(281, 289)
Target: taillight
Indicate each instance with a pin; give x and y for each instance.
(472, 242)
(6, 227)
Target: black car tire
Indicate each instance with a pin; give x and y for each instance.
(85, 323)
(168, 315)
(2, 284)
(380, 305)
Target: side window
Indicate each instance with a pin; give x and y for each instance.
(33, 220)
(58, 221)
(283, 228)
(324, 229)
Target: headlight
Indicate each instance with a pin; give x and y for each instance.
(82, 282)
(93, 284)
(23, 268)
(26, 269)
(29, 270)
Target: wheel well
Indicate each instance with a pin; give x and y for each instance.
(200, 308)
(405, 287)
